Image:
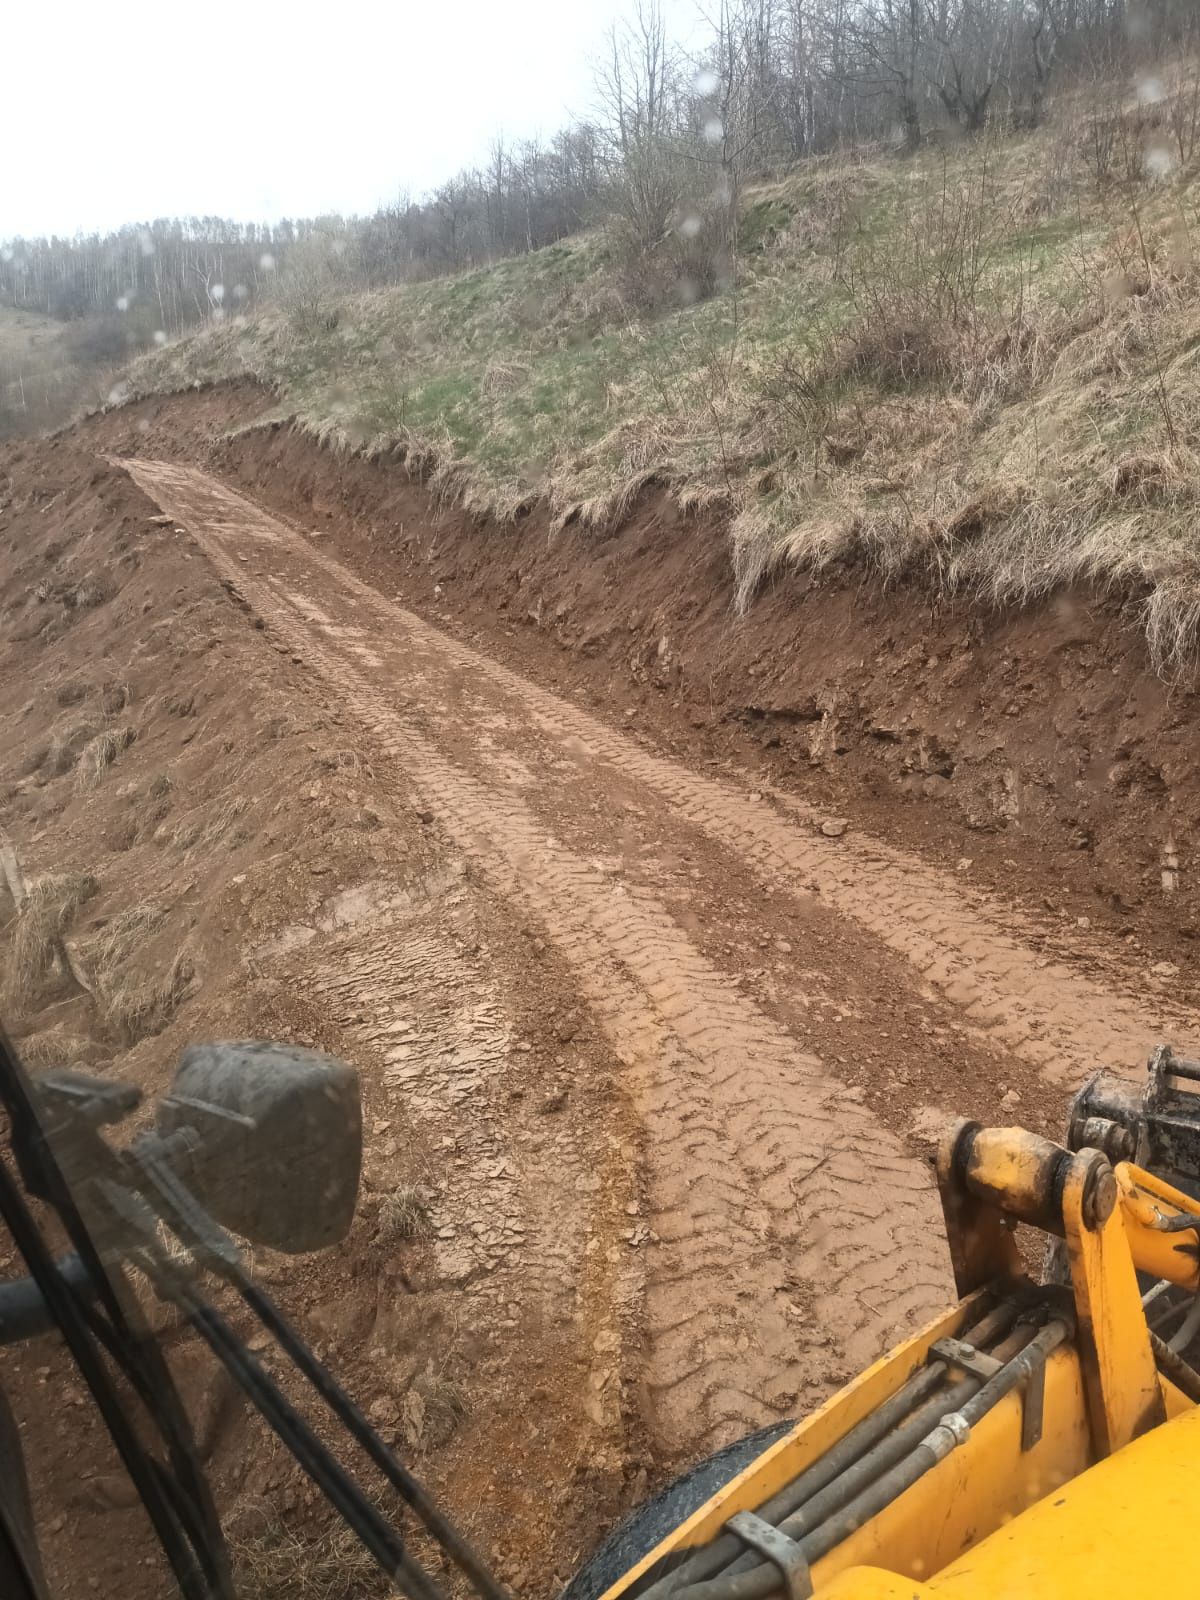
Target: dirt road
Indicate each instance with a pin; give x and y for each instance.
(785, 1003)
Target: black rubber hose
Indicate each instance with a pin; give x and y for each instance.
(945, 1438)
(24, 1313)
(728, 1552)
(816, 1540)
(174, 1201)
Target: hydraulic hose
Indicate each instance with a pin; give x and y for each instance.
(879, 1478)
(728, 1551)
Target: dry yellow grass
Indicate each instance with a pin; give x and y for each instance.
(99, 754)
(276, 1563)
(995, 325)
(35, 945)
(68, 738)
(403, 1214)
(134, 1006)
(53, 1049)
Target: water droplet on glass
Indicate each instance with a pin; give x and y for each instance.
(713, 130)
(1160, 162)
(240, 291)
(1150, 91)
(705, 81)
(6, 254)
(690, 226)
(266, 262)
(217, 292)
(146, 242)
(118, 394)
(159, 336)
(123, 303)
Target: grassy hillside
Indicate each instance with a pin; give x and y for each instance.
(977, 366)
(40, 381)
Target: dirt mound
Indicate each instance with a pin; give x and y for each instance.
(202, 835)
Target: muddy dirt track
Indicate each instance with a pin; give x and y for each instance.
(789, 1001)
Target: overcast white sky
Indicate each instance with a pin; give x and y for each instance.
(144, 108)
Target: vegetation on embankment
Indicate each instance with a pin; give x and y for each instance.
(975, 365)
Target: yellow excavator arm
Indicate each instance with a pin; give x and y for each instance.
(1037, 1440)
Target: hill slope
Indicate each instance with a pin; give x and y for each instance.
(975, 367)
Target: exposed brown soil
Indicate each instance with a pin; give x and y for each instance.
(658, 984)
(313, 903)
(1036, 745)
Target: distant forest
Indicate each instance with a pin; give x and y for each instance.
(671, 140)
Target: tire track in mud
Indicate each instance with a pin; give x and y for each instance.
(1054, 1017)
(785, 1234)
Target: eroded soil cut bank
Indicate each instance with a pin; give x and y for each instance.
(1035, 753)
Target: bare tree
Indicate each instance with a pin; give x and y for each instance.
(889, 36)
(637, 87)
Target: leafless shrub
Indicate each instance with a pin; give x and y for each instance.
(925, 291)
(1183, 109)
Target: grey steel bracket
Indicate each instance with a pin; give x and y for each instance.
(1034, 1406)
(778, 1549)
(957, 1353)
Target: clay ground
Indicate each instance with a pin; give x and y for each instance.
(657, 1029)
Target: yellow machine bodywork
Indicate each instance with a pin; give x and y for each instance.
(1067, 1486)
(1122, 1528)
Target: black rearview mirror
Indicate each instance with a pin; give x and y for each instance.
(278, 1147)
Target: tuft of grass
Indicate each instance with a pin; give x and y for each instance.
(403, 1214)
(275, 1563)
(53, 1049)
(197, 830)
(99, 754)
(123, 936)
(88, 592)
(114, 697)
(67, 740)
(35, 948)
(443, 1405)
(135, 1007)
